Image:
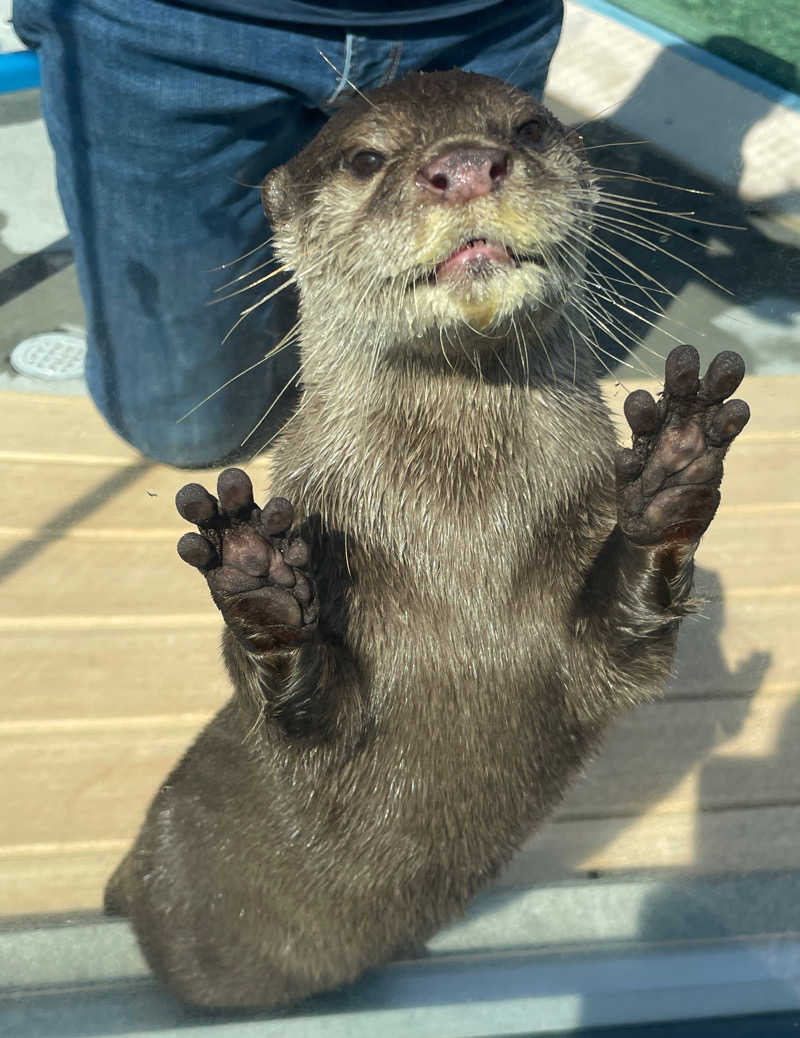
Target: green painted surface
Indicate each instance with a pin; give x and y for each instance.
(762, 36)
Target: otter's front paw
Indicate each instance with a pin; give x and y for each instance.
(668, 484)
(254, 565)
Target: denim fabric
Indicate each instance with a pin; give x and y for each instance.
(164, 119)
(350, 13)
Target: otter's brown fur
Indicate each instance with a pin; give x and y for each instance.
(452, 468)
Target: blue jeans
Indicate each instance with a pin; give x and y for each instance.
(164, 120)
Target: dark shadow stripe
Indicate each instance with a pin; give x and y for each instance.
(32, 270)
(24, 550)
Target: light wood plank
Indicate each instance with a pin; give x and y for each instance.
(106, 502)
(61, 880)
(669, 757)
(85, 785)
(46, 425)
(758, 477)
(93, 780)
(56, 674)
(62, 675)
(139, 494)
(745, 552)
(72, 876)
(73, 578)
(737, 647)
(72, 425)
(102, 501)
(97, 581)
(735, 841)
(139, 577)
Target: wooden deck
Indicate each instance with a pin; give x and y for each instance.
(110, 661)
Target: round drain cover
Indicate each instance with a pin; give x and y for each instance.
(50, 355)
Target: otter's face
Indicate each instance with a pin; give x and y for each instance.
(446, 201)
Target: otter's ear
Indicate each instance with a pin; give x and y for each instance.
(276, 196)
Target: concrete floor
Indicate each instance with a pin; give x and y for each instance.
(31, 221)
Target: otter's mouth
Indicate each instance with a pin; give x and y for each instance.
(477, 257)
(474, 257)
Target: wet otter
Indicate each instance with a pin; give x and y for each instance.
(430, 628)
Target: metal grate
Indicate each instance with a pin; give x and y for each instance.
(51, 355)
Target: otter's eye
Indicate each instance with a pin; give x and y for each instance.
(366, 164)
(531, 132)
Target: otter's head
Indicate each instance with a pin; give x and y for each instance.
(447, 204)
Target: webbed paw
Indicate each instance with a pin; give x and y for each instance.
(668, 483)
(255, 565)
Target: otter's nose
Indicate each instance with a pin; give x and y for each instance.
(464, 173)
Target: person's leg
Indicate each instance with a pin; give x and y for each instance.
(163, 122)
(514, 41)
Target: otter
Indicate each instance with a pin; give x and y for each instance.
(462, 580)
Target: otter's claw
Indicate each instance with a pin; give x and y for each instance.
(668, 483)
(253, 562)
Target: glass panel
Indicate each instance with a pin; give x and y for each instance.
(665, 886)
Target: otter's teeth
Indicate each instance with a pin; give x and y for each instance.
(471, 256)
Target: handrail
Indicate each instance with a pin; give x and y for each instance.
(19, 70)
